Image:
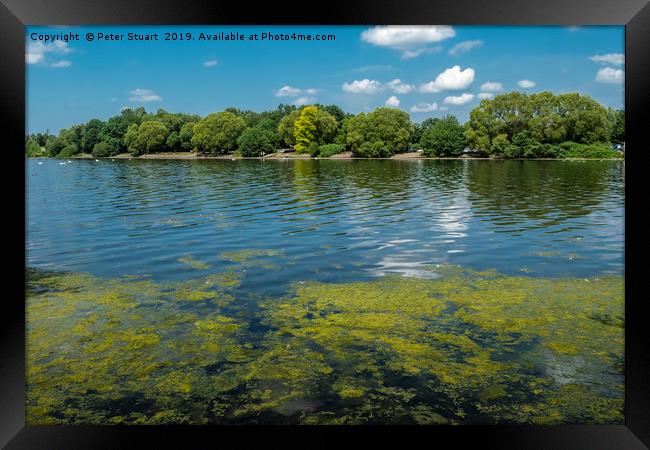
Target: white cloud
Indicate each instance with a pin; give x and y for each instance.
(424, 107)
(33, 57)
(393, 102)
(458, 100)
(60, 64)
(300, 101)
(398, 87)
(36, 51)
(210, 63)
(364, 86)
(410, 54)
(443, 108)
(144, 95)
(451, 79)
(404, 36)
(112, 99)
(491, 87)
(410, 40)
(526, 84)
(610, 75)
(289, 91)
(484, 95)
(610, 58)
(464, 47)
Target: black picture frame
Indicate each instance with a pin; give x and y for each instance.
(16, 14)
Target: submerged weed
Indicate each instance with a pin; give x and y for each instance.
(468, 347)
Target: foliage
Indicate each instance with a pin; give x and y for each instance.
(312, 128)
(443, 137)
(617, 124)
(91, 135)
(575, 150)
(304, 130)
(105, 149)
(515, 125)
(32, 148)
(217, 133)
(255, 142)
(68, 150)
(548, 119)
(286, 128)
(149, 136)
(423, 126)
(117, 126)
(327, 150)
(381, 133)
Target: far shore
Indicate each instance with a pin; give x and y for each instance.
(304, 156)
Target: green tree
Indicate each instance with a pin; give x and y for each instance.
(92, 135)
(421, 127)
(381, 133)
(173, 142)
(444, 137)
(54, 146)
(305, 129)
(547, 120)
(616, 125)
(286, 128)
(255, 142)
(32, 148)
(147, 137)
(117, 126)
(217, 133)
(185, 136)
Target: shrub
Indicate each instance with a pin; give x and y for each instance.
(576, 150)
(68, 150)
(104, 149)
(325, 151)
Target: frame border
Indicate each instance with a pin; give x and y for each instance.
(634, 14)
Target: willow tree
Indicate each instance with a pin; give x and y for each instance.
(217, 133)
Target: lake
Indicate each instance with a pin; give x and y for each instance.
(325, 291)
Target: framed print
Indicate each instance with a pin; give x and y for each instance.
(377, 218)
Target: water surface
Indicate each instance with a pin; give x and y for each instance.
(325, 291)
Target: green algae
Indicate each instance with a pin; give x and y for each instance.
(248, 255)
(194, 263)
(467, 347)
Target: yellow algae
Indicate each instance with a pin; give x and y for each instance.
(468, 347)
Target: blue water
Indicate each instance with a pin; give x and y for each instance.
(331, 220)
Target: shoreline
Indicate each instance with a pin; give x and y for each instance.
(189, 156)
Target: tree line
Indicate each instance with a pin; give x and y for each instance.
(512, 125)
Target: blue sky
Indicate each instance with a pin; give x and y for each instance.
(439, 69)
